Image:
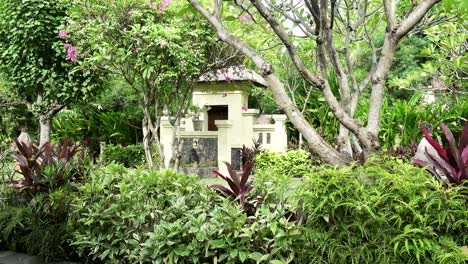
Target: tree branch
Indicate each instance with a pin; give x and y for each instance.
(414, 17)
(316, 142)
(313, 79)
(389, 7)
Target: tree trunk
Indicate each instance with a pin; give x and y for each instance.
(44, 136)
(147, 142)
(344, 142)
(177, 148)
(316, 142)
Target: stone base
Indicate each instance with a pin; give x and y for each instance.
(202, 172)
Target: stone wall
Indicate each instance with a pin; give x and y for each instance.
(203, 151)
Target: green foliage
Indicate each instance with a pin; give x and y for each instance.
(383, 212)
(400, 118)
(130, 156)
(118, 208)
(38, 225)
(114, 118)
(294, 163)
(156, 52)
(162, 217)
(225, 234)
(386, 211)
(33, 57)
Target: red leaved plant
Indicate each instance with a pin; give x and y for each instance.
(451, 162)
(239, 185)
(29, 159)
(35, 164)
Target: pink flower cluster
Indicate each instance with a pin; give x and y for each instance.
(63, 35)
(244, 108)
(71, 52)
(162, 6)
(183, 62)
(244, 18)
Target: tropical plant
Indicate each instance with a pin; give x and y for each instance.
(195, 111)
(451, 162)
(47, 167)
(118, 208)
(37, 226)
(238, 187)
(248, 153)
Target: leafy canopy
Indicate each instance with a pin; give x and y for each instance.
(35, 54)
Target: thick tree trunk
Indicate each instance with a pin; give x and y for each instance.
(44, 135)
(316, 142)
(378, 85)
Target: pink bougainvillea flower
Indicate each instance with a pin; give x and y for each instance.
(63, 34)
(183, 62)
(244, 18)
(71, 52)
(164, 4)
(227, 78)
(244, 108)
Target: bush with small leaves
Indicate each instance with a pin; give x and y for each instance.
(383, 212)
(130, 156)
(293, 163)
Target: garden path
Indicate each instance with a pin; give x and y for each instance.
(10, 257)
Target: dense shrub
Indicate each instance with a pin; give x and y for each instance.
(293, 163)
(118, 208)
(130, 156)
(163, 217)
(36, 225)
(383, 212)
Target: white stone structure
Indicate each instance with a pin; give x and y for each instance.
(228, 120)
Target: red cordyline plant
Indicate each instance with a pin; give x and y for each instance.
(451, 162)
(33, 163)
(239, 186)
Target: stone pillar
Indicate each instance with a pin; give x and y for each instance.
(165, 136)
(224, 144)
(248, 120)
(280, 138)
